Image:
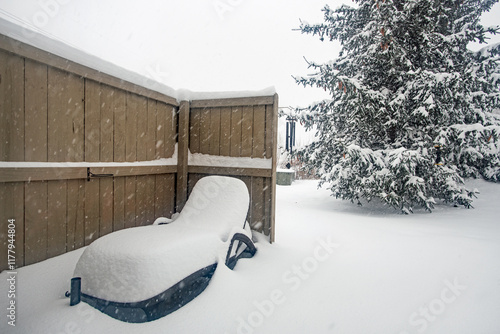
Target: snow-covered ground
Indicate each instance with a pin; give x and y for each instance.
(335, 268)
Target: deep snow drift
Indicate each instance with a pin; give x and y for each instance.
(335, 268)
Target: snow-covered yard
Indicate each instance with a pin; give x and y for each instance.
(335, 268)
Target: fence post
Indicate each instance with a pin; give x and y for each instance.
(274, 163)
(182, 157)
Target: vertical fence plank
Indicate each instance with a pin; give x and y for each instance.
(141, 203)
(259, 126)
(164, 195)
(108, 99)
(90, 220)
(5, 107)
(182, 159)
(56, 111)
(236, 120)
(35, 140)
(142, 129)
(274, 156)
(119, 203)
(74, 215)
(107, 124)
(106, 206)
(171, 136)
(131, 127)
(257, 205)
(149, 198)
(75, 104)
(151, 130)
(145, 200)
(80, 216)
(92, 120)
(11, 107)
(117, 213)
(194, 130)
(92, 211)
(269, 131)
(225, 134)
(161, 196)
(267, 193)
(171, 195)
(162, 116)
(119, 127)
(215, 131)
(205, 133)
(65, 117)
(130, 201)
(247, 132)
(35, 222)
(56, 221)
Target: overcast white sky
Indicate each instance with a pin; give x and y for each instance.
(201, 45)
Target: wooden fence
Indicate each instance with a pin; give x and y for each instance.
(63, 125)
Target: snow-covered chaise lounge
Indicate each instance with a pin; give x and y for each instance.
(141, 274)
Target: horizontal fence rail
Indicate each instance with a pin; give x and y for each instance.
(83, 154)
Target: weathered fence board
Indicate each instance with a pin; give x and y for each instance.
(119, 121)
(11, 107)
(56, 217)
(92, 211)
(248, 133)
(75, 215)
(35, 112)
(65, 135)
(225, 137)
(133, 102)
(35, 224)
(130, 201)
(235, 135)
(55, 111)
(92, 121)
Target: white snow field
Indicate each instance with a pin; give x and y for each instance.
(334, 268)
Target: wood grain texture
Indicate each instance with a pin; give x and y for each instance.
(35, 120)
(35, 225)
(57, 218)
(11, 107)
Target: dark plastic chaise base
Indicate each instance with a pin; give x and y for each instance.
(158, 306)
(176, 296)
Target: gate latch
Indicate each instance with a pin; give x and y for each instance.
(90, 174)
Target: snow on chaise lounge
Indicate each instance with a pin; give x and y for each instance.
(144, 273)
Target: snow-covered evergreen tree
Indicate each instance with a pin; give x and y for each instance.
(413, 110)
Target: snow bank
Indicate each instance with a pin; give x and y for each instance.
(333, 263)
(135, 264)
